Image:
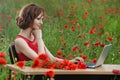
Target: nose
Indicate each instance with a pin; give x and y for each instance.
(41, 22)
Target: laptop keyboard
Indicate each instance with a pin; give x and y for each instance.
(89, 64)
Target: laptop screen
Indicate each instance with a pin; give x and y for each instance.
(103, 54)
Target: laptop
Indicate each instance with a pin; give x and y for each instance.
(101, 58)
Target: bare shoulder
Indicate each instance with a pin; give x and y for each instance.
(19, 42)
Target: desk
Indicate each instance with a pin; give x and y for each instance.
(105, 69)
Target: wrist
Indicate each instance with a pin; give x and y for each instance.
(37, 33)
(71, 60)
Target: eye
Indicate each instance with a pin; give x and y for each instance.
(38, 18)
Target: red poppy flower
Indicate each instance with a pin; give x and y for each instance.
(106, 33)
(75, 49)
(81, 54)
(84, 57)
(81, 65)
(72, 6)
(99, 33)
(118, 41)
(66, 61)
(50, 74)
(86, 43)
(62, 38)
(2, 54)
(3, 61)
(70, 56)
(20, 64)
(14, 72)
(59, 52)
(119, 50)
(116, 71)
(73, 28)
(86, 13)
(61, 65)
(103, 1)
(66, 26)
(100, 26)
(42, 56)
(92, 31)
(119, 10)
(72, 66)
(67, 68)
(36, 63)
(106, 12)
(85, 17)
(89, 1)
(102, 45)
(64, 45)
(0, 28)
(84, 27)
(93, 60)
(100, 17)
(60, 13)
(109, 39)
(45, 62)
(80, 36)
(1, 15)
(97, 43)
(71, 14)
(8, 77)
(73, 21)
(9, 17)
(110, 10)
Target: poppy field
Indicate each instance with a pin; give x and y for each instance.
(71, 28)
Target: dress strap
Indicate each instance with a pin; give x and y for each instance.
(20, 36)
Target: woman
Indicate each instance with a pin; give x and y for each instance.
(29, 43)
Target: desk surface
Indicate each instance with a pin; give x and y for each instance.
(105, 69)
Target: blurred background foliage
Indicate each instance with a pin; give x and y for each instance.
(71, 27)
(83, 15)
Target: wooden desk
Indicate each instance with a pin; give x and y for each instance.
(105, 69)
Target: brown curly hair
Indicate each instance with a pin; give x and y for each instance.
(27, 15)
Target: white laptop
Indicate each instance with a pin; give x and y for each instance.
(101, 58)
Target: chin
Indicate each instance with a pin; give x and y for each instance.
(38, 25)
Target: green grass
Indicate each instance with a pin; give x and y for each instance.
(53, 27)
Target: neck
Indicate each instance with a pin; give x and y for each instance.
(27, 33)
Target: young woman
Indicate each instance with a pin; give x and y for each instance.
(29, 43)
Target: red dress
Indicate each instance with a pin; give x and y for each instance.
(32, 44)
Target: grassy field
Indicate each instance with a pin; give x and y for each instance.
(74, 27)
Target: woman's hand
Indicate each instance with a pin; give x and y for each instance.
(37, 33)
(36, 27)
(77, 59)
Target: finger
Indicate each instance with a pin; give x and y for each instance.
(77, 59)
(80, 59)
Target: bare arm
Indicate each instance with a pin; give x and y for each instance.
(41, 46)
(38, 35)
(23, 47)
(51, 56)
(76, 59)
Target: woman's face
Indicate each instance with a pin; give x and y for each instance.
(39, 20)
